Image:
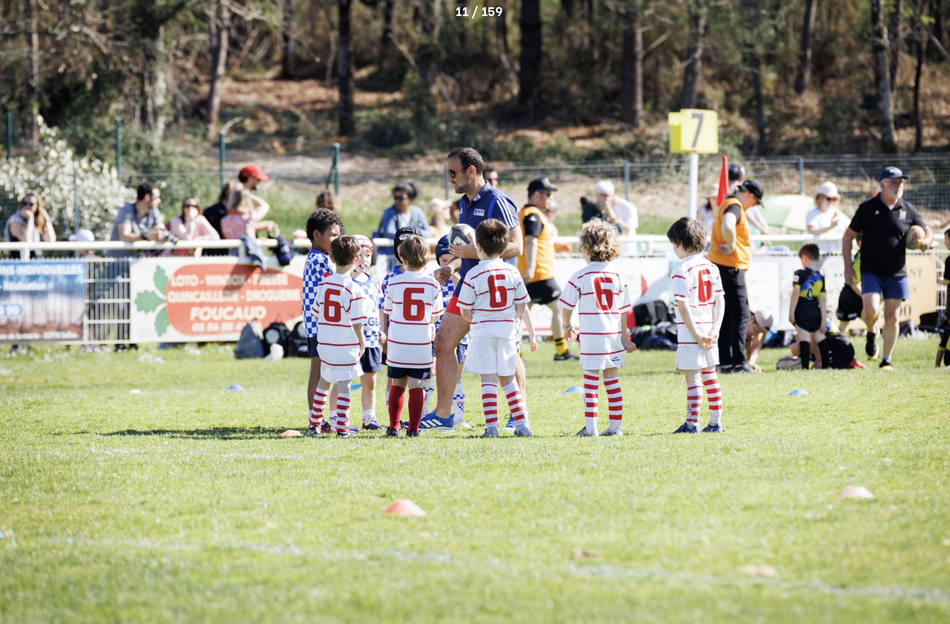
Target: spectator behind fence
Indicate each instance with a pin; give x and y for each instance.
(139, 221)
(245, 211)
(403, 213)
(826, 222)
(218, 211)
(251, 176)
(328, 199)
(30, 224)
(191, 226)
(439, 219)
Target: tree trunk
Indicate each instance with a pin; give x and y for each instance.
(882, 78)
(762, 146)
(567, 7)
(463, 32)
(345, 69)
(33, 71)
(220, 40)
(804, 62)
(897, 46)
(922, 41)
(694, 54)
(287, 40)
(386, 44)
(503, 27)
(530, 72)
(632, 89)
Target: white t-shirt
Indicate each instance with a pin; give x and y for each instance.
(491, 290)
(698, 282)
(413, 301)
(830, 241)
(600, 295)
(337, 306)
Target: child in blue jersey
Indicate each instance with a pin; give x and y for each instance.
(444, 257)
(323, 226)
(808, 305)
(372, 359)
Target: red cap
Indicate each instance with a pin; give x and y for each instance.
(253, 171)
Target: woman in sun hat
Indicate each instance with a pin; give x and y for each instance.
(826, 222)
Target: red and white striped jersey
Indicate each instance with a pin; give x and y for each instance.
(696, 281)
(600, 296)
(413, 302)
(491, 290)
(337, 306)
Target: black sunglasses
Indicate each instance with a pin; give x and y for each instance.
(400, 197)
(191, 206)
(26, 203)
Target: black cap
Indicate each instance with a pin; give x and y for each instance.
(540, 184)
(893, 173)
(736, 172)
(403, 233)
(754, 187)
(442, 247)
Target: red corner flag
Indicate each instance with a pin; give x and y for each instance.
(723, 182)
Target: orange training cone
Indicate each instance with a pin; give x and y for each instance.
(404, 507)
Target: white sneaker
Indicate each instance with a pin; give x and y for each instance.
(608, 432)
(461, 424)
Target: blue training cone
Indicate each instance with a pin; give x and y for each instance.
(798, 392)
(575, 390)
(235, 388)
(356, 386)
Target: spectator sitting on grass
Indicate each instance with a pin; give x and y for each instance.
(30, 224)
(190, 225)
(245, 211)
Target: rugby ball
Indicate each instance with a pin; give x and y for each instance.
(913, 237)
(461, 235)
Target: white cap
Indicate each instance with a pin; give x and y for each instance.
(763, 319)
(82, 236)
(604, 187)
(829, 190)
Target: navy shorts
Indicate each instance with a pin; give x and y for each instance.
(398, 372)
(460, 352)
(312, 347)
(888, 287)
(808, 318)
(372, 359)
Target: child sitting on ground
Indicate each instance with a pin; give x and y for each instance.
(700, 305)
(338, 307)
(600, 295)
(413, 302)
(808, 306)
(493, 298)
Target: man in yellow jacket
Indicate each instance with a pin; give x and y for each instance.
(731, 251)
(536, 264)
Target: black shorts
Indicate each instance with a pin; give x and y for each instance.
(312, 347)
(372, 359)
(398, 372)
(850, 304)
(544, 292)
(461, 352)
(808, 318)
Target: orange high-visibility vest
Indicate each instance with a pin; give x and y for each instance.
(743, 248)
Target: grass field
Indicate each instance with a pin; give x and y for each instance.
(181, 504)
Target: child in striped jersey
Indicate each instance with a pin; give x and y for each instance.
(413, 302)
(700, 305)
(372, 359)
(599, 295)
(493, 298)
(338, 308)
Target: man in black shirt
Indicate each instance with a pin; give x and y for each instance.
(883, 222)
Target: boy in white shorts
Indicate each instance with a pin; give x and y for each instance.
(492, 298)
(338, 309)
(600, 296)
(697, 293)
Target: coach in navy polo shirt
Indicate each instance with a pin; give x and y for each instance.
(883, 222)
(480, 201)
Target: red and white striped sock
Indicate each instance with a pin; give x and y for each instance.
(490, 404)
(516, 404)
(343, 411)
(694, 401)
(713, 395)
(591, 399)
(614, 402)
(316, 407)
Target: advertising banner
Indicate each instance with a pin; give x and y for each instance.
(210, 299)
(41, 301)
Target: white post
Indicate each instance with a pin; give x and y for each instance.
(693, 183)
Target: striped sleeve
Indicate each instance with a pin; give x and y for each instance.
(521, 292)
(466, 296)
(506, 211)
(357, 313)
(570, 294)
(680, 285)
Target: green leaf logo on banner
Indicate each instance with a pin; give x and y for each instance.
(149, 301)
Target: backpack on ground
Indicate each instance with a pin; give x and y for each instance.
(298, 342)
(249, 345)
(277, 333)
(651, 313)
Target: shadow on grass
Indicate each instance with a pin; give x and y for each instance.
(214, 433)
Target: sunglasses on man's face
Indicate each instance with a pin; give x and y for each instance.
(399, 197)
